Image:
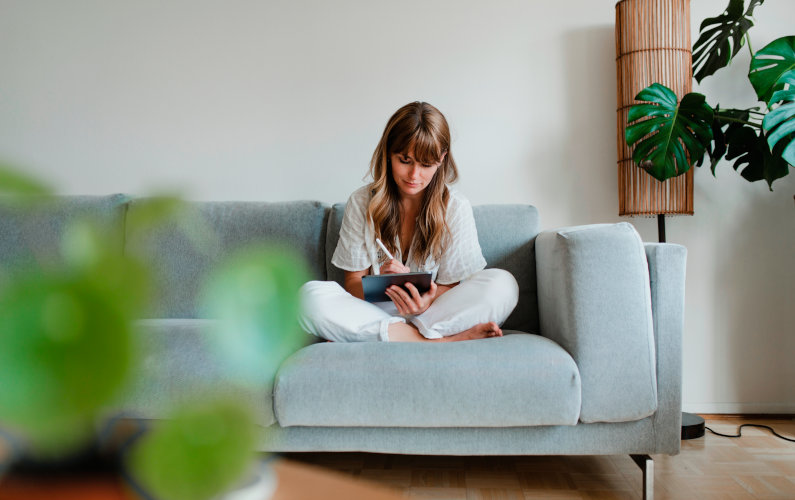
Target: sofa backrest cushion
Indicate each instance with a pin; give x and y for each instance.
(31, 235)
(507, 238)
(180, 266)
(595, 301)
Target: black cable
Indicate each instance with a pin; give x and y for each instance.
(740, 432)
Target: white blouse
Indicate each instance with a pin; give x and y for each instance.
(357, 249)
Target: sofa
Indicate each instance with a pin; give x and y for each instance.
(590, 360)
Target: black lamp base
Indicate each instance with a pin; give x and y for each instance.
(692, 426)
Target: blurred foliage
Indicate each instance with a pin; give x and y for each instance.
(167, 212)
(254, 294)
(198, 453)
(68, 348)
(16, 184)
(66, 345)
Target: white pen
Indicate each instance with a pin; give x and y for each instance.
(381, 244)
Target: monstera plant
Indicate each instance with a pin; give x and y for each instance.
(669, 134)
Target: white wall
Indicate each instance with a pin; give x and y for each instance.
(286, 100)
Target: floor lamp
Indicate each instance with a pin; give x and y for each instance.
(653, 45)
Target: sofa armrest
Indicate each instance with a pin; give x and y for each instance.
(594, 300)
(667, 275)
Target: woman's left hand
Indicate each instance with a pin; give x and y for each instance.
(411, 302)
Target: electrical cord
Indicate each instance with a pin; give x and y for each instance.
(740, 432)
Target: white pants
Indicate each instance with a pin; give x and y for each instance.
(330, 312)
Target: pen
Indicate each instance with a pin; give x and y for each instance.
(383, 247)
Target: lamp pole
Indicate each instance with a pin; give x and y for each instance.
(692, 424)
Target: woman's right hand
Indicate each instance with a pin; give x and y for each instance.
(393, 267)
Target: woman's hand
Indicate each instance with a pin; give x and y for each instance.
(411, 302)
(393, 266)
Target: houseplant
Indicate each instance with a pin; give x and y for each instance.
(669, 134)
(69, 347)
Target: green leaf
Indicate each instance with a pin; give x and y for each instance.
(66, 349)
(721, 38)
(66, 344)
(753, 158)
(254, 294)
(770, 64)
(13, 182)
(724, 124)
(198, 454)
(169, 214)
(667, 132)
(780, 123)
(152, 212)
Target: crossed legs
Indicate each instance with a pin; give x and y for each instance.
(474, 309)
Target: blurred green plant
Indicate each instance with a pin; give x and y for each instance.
(68, 346)
(762, 144)
(66, 349)
(200, 452)
(254, 295)
(167, 212)
(15, 184)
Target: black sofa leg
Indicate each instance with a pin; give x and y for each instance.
(646, 464)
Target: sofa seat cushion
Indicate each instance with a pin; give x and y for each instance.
(180, 365)
(516, 380)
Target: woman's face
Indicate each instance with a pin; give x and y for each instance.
(411, 176)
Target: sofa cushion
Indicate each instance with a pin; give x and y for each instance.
(507, 238)
(595, 301)
(180, 266)
(506, 234)
(178, 365)
(515, 380)
(31, 236)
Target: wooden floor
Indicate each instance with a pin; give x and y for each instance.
(756, 466)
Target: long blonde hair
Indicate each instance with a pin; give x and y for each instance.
(423, 128)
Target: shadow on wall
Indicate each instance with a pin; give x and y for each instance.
(589, 109)
(755, 275)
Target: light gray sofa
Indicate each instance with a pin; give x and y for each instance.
(590, 362)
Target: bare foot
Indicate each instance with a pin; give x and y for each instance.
(481, 331)
(402, 332)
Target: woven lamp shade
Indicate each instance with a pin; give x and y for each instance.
(652, 45)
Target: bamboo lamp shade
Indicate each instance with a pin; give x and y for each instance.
(652, 45)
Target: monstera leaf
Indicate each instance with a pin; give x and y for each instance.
(721, 38)
(753, 158)
(725, 124)
(671, 132)
(770, 65)
(780, 123)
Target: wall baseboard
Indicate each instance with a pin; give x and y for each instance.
(747, 416)
(740, 408)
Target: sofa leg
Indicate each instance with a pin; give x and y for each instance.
(646, 464)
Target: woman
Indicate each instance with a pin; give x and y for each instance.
(426, 227)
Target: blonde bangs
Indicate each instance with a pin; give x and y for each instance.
(426, 148)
